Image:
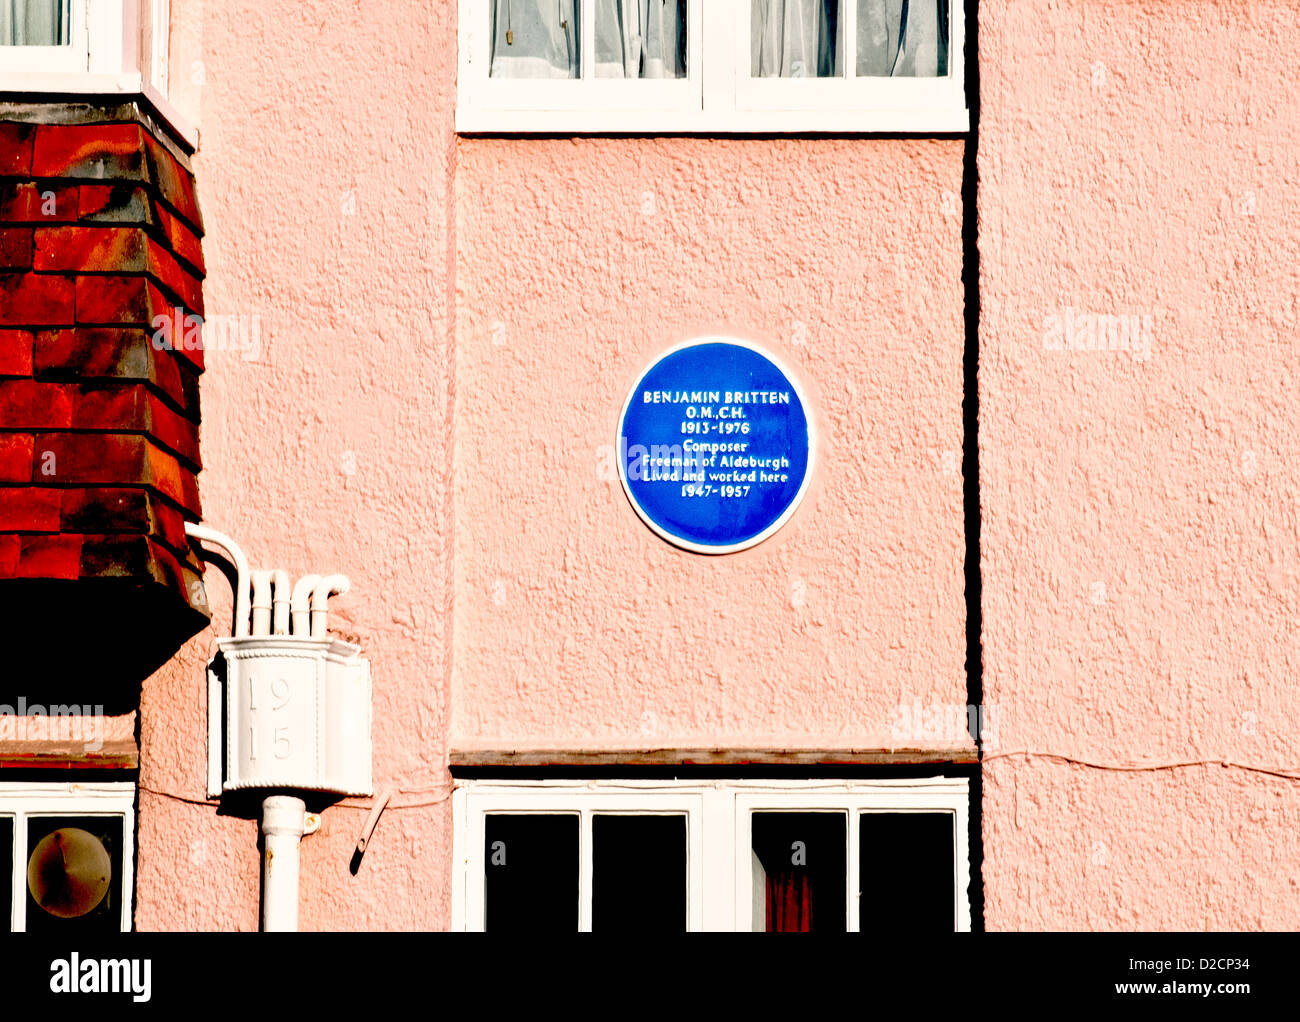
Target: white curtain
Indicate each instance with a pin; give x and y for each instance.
(534, 39)
(634, 38)
(902, 38)
(895, 38)
(33, 22)
(640, 38)
(794, 38)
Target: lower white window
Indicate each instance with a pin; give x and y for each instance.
(671, 856)
(66, 857)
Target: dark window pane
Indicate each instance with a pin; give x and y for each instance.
(800, 872)
(531, 867)
(74, 870)
(638, 874)
(907, 873)
(6, 872)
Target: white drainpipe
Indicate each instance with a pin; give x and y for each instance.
(284, 821)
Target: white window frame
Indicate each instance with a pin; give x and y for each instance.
(96, 54)
(718, 96)
(583, 802)
(540, 97)
(20, 801)
(72, 58)
(719, 877)
(894, 799)
(104, 58)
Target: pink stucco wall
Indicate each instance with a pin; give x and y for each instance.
(1139, 557)
(578, 260)
(439, 378)
(433, 412)
(328, 449)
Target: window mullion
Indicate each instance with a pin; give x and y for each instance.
(961, 868)
(849, 35)
(584, 873)
(19, 879)
(587, 45)
(695, 49)
(853, 874)
(719, 45)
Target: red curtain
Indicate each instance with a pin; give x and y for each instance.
(789, 902)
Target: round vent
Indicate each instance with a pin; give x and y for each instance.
(69, 872)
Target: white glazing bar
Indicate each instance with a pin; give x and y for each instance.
(854, 871)
(849, 37)
(19, 878)
(584, 873)
(587, 39)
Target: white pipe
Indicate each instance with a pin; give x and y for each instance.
(284, 820)
(301, 611)
(329, 585)
(202, 533)
(261, 602)
(280, 601)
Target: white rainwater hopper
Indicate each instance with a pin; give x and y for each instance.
(297, 715)
(289, 712)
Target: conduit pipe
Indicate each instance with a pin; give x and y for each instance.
(325, 588)
(300, 608)
(261, 602)
(237, 558)
(280, 601)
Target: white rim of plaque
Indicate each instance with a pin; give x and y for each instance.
(686, 544)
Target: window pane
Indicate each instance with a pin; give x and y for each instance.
(907, 873)
(902, 38)
(74, 866)
(6, 872)
(534, 39)
(33, 22)
(795, 38)
(640, 38)
(799, 872)
(531, 868)
(638, 874)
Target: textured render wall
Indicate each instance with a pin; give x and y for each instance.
(578, 261)
(323, 173)
(1139, 524)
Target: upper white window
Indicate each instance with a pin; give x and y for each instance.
(66, 857)
(664, 856)
(728, 66)
(88, 47)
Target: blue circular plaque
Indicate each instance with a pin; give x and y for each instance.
(715, 446)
